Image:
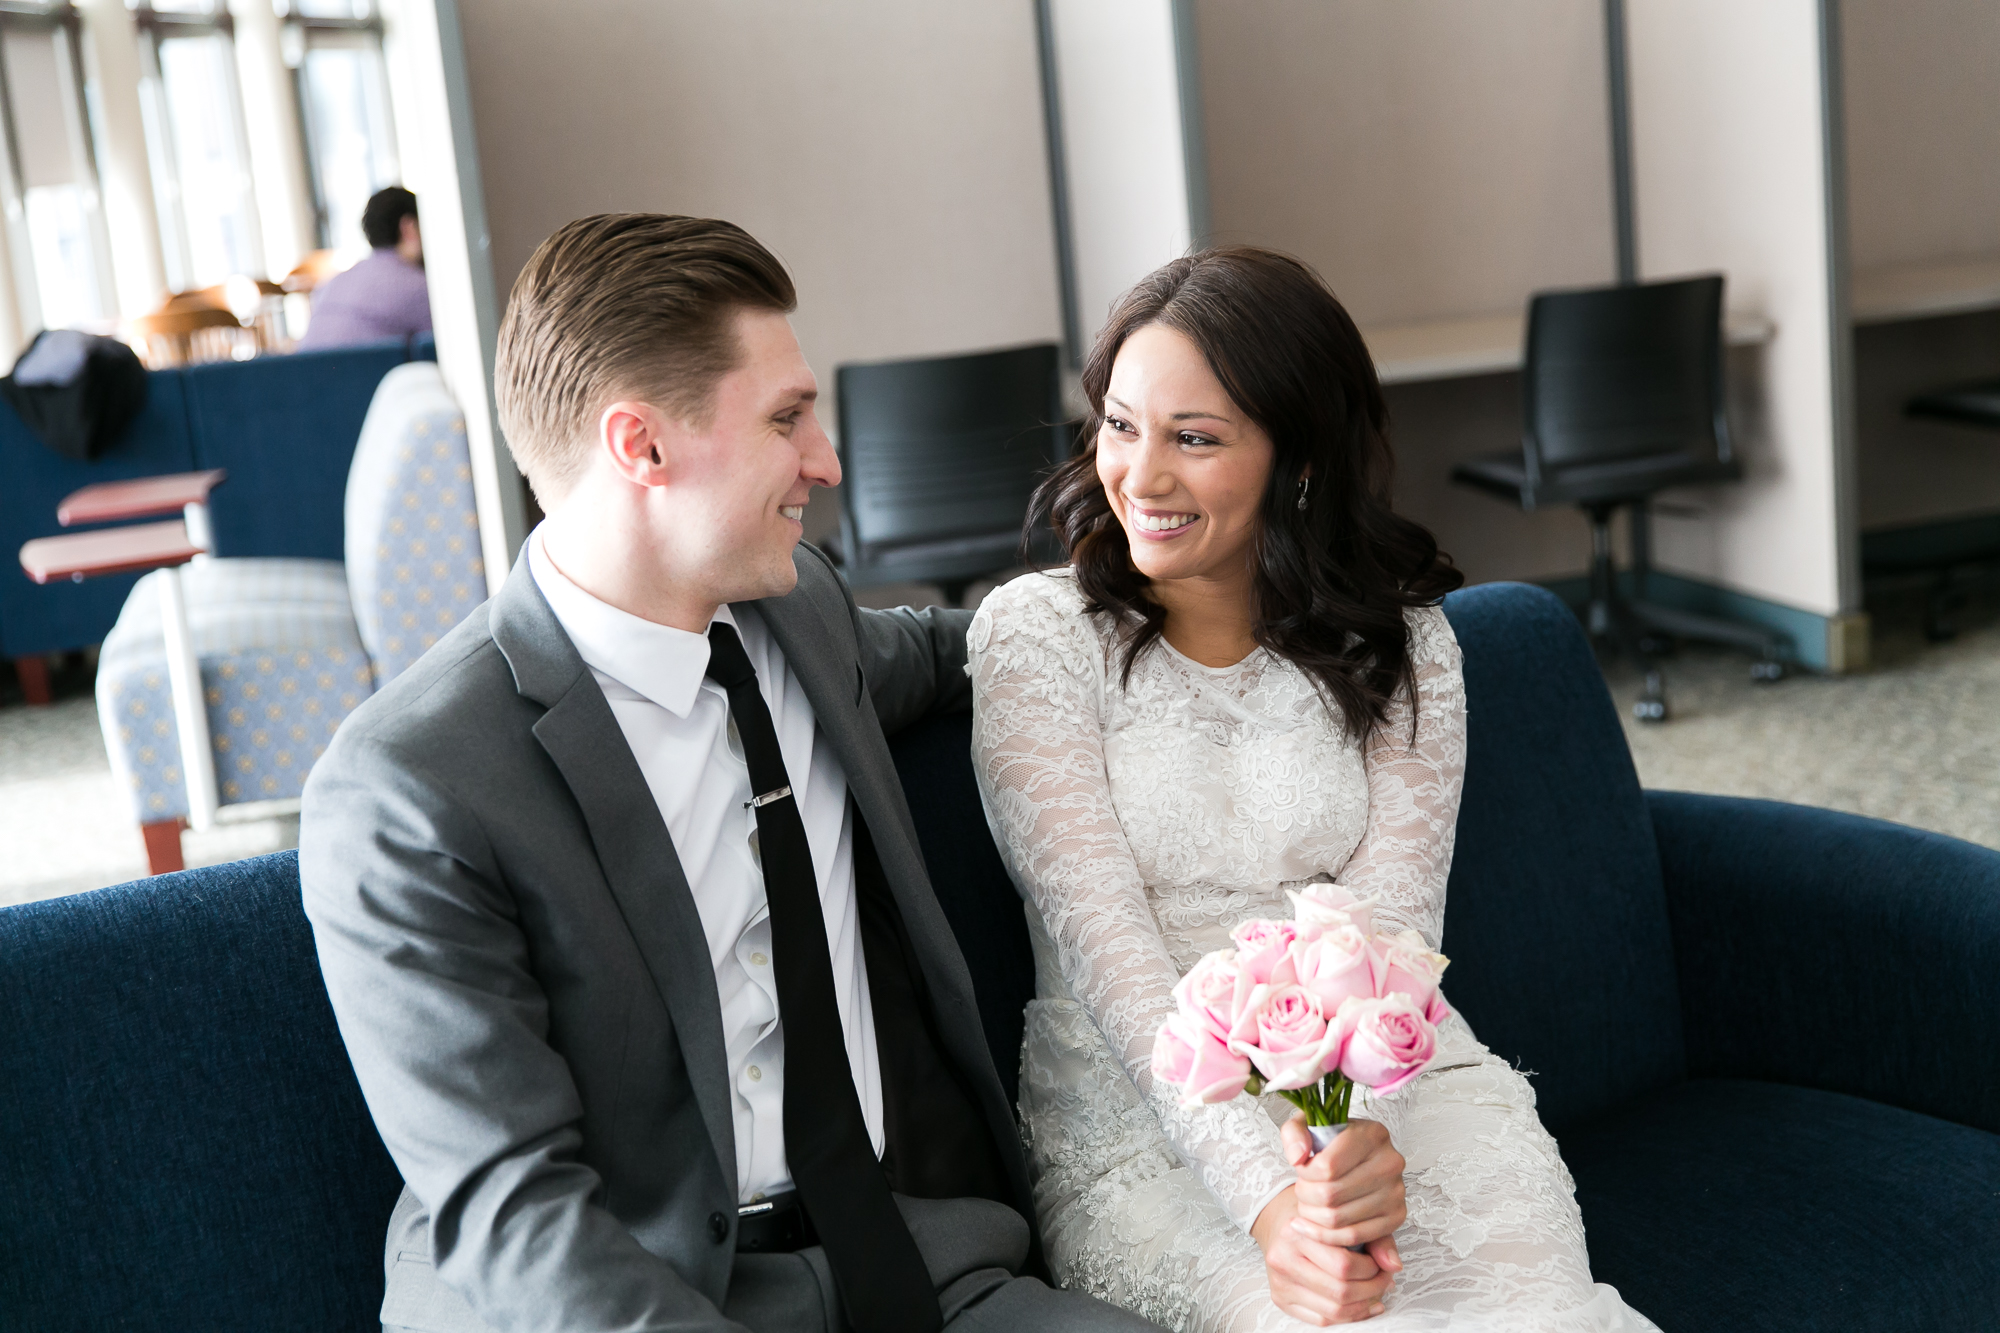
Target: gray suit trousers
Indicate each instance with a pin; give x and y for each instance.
(972, 1247)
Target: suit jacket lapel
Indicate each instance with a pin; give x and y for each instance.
(633, 846)
(832, 682)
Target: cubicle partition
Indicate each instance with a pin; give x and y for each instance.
(1922, 112)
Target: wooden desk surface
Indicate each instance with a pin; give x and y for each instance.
(1917, 291)
(1485, 344)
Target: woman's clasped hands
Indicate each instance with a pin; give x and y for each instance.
(1350, 1195)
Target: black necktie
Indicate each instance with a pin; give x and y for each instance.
(875, 1263)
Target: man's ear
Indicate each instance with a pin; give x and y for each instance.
(639, 440)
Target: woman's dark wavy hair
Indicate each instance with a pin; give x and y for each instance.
(1332, 580)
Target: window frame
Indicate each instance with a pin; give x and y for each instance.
(298, 34)
(66, 20)
(154, 26)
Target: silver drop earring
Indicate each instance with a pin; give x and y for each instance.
(1305, 484)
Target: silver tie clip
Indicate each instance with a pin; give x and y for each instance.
(778, 795)
(754, 1209)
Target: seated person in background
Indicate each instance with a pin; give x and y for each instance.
(384, 296)
(615, 890)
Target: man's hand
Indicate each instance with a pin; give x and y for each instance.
(1349, 1195)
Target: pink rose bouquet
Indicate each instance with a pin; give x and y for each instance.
(1306, 1008)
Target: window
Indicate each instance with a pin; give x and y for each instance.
(335, 50)
(55, 227)
(194, 136)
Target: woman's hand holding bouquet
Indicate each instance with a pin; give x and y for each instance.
(1308, 1009)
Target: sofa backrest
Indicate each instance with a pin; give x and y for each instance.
(934, 761)
(182, 1142)
(1556, 916)
(412, 545)
(285, 427)
(38, 619)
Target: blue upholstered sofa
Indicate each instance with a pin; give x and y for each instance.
(283, 426)
(1765, 1035)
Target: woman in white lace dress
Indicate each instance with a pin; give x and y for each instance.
(1243, 683)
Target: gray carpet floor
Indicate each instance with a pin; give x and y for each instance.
(1916, 740)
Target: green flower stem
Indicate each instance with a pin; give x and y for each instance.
(1325, 1102)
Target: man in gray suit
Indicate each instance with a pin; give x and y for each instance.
(615, 891)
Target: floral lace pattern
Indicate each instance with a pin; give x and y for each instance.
(1141, 821)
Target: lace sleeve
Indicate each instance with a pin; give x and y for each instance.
(1038, 747)
(1413, 788)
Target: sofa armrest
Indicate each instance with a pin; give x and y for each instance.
(1831, 951)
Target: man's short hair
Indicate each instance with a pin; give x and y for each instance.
(382, 219)
(623, 305)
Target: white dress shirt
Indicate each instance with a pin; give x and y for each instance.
(677, 723)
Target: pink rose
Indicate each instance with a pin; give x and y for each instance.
(1411, 968)
(1216, 994)
(1317, 907)
(1339, 965)
(1193, 1059)
(1389, 1041)
(1294, 1044)
(1263, 951)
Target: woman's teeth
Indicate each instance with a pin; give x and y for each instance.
(1162, 522)
(793, 511)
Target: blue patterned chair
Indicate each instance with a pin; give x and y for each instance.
(287, 648)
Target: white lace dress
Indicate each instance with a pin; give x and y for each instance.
(1141, 823)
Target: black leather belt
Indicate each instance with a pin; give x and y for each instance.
(775, 1224)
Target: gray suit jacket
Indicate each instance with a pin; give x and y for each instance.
(520, 973)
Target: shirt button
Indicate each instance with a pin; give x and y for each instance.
(759, 959)
(718, 1227)
(756, 1074)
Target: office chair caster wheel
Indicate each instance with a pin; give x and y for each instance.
(1767, 672)
(1650, 710)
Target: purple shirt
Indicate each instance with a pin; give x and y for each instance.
(379, 299)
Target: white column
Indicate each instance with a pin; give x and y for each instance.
(271, 127)
(1120, 103)
(1730, 142)
(440, 160)
(111, 79)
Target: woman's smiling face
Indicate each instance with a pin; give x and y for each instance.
(1182, 466)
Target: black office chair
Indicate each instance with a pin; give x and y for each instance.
(940, 457)
(1623, 392)
(1961, 548)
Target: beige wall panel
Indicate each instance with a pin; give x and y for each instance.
(1923, 129)
(1729, 154)
(1433, 158)
(891, 152)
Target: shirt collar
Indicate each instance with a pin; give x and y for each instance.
(664, 664)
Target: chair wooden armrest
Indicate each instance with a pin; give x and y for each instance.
(141, 497)
(78, 556)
